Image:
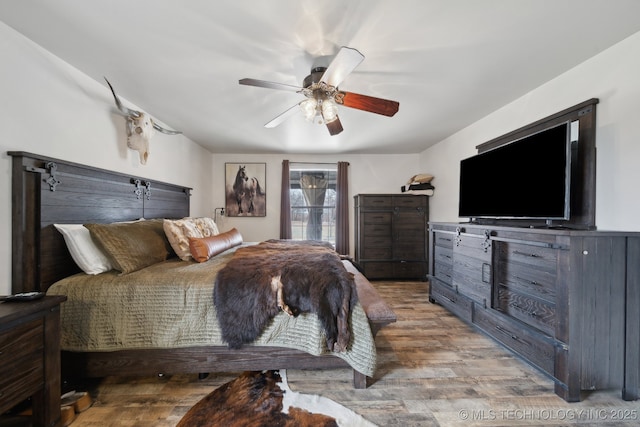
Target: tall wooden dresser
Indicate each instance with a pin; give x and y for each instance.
(391, 235)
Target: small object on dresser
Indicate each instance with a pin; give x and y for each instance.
(22, 296)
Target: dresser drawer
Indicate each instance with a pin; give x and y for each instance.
(532, 311)
(377, 229)
(16, 342)
(443, 240)
(443, 255)
(443, 272)
(409, 202)
(452, 301)
(377, 218)
(21, 360)
(376, 241)
(539, 257)
(534, 347)
(374, 201)
(371, 252)
(540, 283)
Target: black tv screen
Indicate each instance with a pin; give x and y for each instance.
(528, 178)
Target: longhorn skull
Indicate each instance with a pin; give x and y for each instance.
(140, 128)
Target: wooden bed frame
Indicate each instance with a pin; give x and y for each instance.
(46, 191)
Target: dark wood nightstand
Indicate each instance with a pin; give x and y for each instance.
(30, 357)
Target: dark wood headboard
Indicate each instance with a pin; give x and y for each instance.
(47, 191)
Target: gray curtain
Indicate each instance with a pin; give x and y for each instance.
(314, 190)
(342, 209)
(285, 203)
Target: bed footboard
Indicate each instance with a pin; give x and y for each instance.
(77, 365)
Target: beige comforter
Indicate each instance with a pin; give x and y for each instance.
(170, 305)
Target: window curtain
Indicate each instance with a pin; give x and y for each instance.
(285, 203)
(314, 190)
(342, 209)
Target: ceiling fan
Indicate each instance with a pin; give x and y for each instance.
(323, 96)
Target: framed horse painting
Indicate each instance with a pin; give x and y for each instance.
(245, 189)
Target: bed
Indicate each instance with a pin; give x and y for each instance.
(47, 191)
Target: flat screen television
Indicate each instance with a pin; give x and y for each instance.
(528, 178)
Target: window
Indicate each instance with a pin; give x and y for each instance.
(312, 192)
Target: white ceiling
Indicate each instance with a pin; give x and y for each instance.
(448, 62)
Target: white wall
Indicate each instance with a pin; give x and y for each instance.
(49, 108)
(612, 77)
(367, 174)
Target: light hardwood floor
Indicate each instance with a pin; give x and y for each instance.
(433, 370)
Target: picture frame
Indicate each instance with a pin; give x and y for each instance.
(245, 189)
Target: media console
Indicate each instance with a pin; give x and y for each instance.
(565, 301)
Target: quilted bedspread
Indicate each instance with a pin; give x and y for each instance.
(170, 305)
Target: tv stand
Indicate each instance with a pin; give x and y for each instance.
(565, 301)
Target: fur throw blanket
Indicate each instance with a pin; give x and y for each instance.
(292, 276)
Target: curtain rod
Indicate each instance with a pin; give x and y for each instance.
(316, 163)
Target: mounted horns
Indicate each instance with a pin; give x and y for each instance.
(140, 128)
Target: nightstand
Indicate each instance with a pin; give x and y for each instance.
(30, 357)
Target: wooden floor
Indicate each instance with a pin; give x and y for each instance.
(433, 370)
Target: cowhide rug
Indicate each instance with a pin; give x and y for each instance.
(264, 399)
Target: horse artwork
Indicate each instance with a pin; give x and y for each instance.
(245, 189)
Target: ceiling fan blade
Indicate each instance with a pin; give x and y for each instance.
(283, 116)
(269, 85)
(342, 65)
(335, 127)
(367, 103)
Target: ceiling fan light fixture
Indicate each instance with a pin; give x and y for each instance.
(309, 108)
(329, 110)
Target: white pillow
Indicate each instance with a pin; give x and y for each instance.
(83, 250)
(179, 231)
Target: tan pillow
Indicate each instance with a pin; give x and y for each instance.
(131, 246)
(179, 231)
(203, 248)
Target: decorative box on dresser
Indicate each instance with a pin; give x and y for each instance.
(391, 235)
(557, 298)
(30, 357)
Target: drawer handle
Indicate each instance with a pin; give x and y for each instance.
(451, 300)
(524, 310)
(531, 282)
(526, 254)
(446, 239)
(504, 331)
(512, 336)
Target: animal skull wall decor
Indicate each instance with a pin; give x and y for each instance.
(140, 128)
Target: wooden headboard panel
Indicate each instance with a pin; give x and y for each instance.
(47, 191)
